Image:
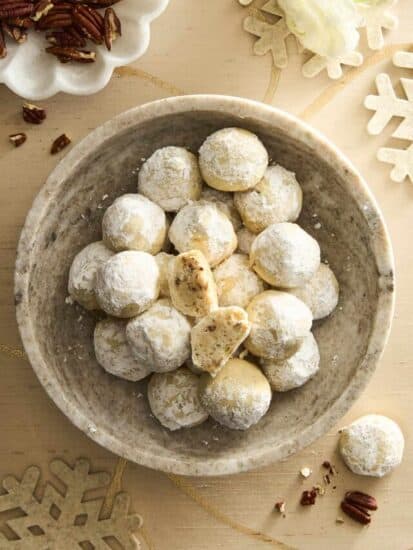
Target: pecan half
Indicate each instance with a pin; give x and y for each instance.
(18, 139)
(15, 8)
(68, 38)
(66, 54)
(55, 21)
(356, 513)
(33, 114)
(41, 9)
(361, 499)
(112, 27)
(89, 22)
(22, 22)
(60, 143)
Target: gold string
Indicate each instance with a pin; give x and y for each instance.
(273, 83)
(154, 80)
(189, 491)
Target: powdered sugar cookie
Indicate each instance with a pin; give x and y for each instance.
(127, 284)
(133, 222)
(113, 352)
(171, 178)
(160, 337)
(202, 226)
(82, 273)
(238, 396)
(173, 398)
(232, 159)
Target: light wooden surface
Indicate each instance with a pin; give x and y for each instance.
(200, 47)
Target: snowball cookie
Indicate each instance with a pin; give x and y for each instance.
(133, 222)
(128, 283)
(160, 337)
(296, 370)
(217, 336)
(82, 273)
(191, 284)
(225, 203)
(113, 352)
(372, 445)
(285, 256)
(202, 226)
(237, 283)
(232, 159)
(238, 396)
(245, 240)
(320, 293)
(163, 259)
(276, 198)
(279, 321)
(171, 178)
(173, 398)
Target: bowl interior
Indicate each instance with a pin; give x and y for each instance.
(116, 412)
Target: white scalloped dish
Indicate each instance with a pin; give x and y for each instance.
(32, 73)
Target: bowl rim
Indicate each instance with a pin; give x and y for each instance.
(355, 185)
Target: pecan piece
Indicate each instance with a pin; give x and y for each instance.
(89, 22)
(69, 38)
(3, 48)
(112, 27)
(33, 114)
(55, 21)
(41, 9)
(22, 22)
(361, 499)
(308, 498)
(18, 139)
(18, 34)
(356, 513)
(101, 3)
(60, 143)
(66, 54)
(15, 8)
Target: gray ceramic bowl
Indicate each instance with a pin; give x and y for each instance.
(66, 216)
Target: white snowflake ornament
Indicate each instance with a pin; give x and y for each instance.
(333, 66)
(374, 18)
(387, 105)
(272, 38)
(402, 160)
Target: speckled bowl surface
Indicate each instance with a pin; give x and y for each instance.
(338, 210)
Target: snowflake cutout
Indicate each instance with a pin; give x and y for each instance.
(388, 105)
(317, 63)
(272, 38)
(375, 18)
(66, 521)
(402, 160)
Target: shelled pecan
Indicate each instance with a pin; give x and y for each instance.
(60, 143)
(18, 139)
(33, 114)
(67, 24)
(357, 505)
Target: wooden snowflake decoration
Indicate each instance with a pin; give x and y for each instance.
(387, 105)
(273, 34)
(69, 520)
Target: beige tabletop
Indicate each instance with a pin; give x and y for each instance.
(199, 46)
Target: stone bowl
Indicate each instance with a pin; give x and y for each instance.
(338, 210)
